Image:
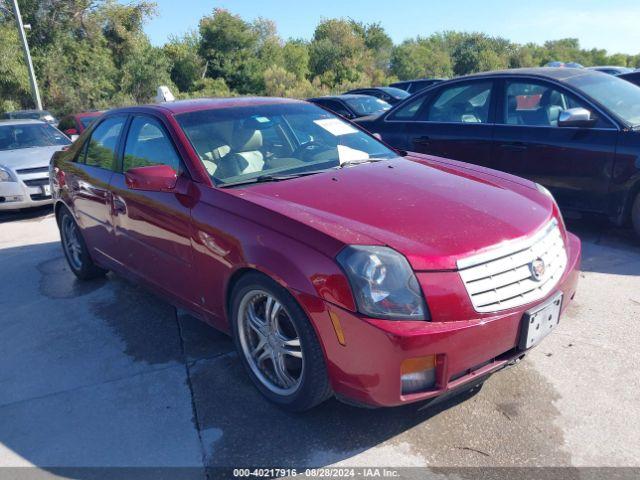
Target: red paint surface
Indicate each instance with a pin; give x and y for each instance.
(191, 242)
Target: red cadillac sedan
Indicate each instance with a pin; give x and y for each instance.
(338, 265)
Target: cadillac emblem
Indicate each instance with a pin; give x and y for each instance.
(537, 268)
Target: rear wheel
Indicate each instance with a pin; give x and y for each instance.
(635, 215)
(75, 250)
(277, 344)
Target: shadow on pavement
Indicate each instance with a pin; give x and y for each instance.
(605, 247)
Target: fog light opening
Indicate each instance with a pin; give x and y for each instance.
(418, 374)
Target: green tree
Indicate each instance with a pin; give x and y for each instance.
(14, 80)
(295, 56)
(187, 67)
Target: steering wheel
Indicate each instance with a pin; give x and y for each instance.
(308, 148)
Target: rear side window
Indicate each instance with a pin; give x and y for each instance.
(101, 147)
(467, 103)
(148, 144)
(409, 111)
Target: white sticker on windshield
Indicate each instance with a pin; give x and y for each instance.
(348, 154)
(335, 126)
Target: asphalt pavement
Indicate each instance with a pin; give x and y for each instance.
(107, 374)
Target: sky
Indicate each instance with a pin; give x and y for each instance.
(610, 24)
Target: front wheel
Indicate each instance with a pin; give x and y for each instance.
(277, 344)
(75, 250)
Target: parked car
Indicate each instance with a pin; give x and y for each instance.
(73, 125)
(43, 115)
(575, 131)
(413, 86)
(390, 95)
(556, 64)
(352, 105)
(611, 69)
(26, 147)
(633, 77)
(337, 265)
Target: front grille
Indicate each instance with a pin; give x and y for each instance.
(37, 182)
(25, 171)
(503, 278)
(39, 196)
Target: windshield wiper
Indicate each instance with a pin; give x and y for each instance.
(351, 163)
(269, 178)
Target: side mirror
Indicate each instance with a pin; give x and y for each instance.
(576, 117)
(154, 178)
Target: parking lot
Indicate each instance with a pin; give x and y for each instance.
(107, 374)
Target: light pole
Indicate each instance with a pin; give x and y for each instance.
(27, 56)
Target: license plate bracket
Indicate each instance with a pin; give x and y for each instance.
(537, 323)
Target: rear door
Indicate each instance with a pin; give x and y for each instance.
(153, 229)
(575, 163)
(455, 121)
(88, 179)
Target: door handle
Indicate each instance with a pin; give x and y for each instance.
(516, 146)
(118, 205)
(424, 140)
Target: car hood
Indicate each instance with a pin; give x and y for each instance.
(434, 212)
(28, 157)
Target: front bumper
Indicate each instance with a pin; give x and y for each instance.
(16, 195)
(467, 345)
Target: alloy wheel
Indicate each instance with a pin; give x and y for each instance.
(270, 342)
(71, 242)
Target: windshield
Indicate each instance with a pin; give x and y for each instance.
(367, 105)
(396, 92)
(13, 137)
(620, 97)
(241, 143)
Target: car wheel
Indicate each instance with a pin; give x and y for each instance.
(75, 250)
(635, 215)
(277, 344)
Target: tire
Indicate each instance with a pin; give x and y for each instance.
(75, 249)
(297, 384)
(635, 215)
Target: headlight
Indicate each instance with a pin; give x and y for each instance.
(383, 283)
(5, 175)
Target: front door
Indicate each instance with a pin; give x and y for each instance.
(153, 229)
(575, 164)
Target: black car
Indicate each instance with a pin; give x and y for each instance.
(352, 105)
(413, 86)
(633, 77)
(612, 69)
(575, 131)
(390, 95)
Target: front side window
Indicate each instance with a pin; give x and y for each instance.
(100, 150)
(408, 111)
(148, 144)
(29, 135)
(535, 104)
(466, 103)
(242, 143)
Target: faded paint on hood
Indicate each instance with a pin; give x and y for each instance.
(28, 157)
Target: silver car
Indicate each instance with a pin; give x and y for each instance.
(26, 147)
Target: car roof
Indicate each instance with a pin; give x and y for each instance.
(554, 73)
(22, 121)
(425, 79)
(194, 105)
